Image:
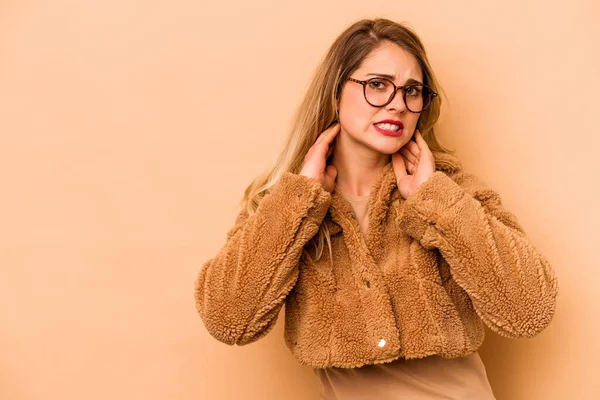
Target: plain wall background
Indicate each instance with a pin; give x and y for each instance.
(129, 130)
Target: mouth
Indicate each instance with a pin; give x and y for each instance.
(389, 127)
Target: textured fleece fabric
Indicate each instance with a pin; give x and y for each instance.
(431, 270)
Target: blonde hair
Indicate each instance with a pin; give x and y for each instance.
(318, 110)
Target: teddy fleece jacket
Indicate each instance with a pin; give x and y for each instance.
(430, 272)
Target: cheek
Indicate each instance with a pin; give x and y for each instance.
(411, 121)
(355, 112)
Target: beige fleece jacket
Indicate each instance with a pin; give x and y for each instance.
(431, 270)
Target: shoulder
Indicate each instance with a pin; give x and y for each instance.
(447, 163)
(450, 165)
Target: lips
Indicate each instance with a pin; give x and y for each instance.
(389, 132)
(391, 121)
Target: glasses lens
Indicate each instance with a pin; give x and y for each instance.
(418, 97)
(378, 92)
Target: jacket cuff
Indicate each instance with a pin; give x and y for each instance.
(432, 203)
(300, 195)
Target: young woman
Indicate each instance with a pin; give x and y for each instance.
(388, 256)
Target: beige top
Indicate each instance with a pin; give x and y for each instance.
(431, 377)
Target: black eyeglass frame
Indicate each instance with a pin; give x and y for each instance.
(396, 88)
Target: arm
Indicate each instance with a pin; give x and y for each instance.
(240, 291)
(512, 286)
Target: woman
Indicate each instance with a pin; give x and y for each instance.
(388, 256)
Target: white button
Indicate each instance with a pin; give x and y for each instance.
(381, 343)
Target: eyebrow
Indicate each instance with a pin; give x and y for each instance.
(393, 77)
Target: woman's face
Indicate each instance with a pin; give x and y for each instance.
(359, 119)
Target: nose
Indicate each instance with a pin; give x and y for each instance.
(397, 103)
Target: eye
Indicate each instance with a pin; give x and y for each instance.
(414, 90)
(378, 84)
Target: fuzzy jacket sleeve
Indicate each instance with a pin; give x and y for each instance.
(241, 290)
(512, 286)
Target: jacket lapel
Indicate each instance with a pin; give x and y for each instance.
(340, 216)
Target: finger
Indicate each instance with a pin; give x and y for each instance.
(330, 151)
(420, 141)
(399, 165)
(324, 144)
(413, 148)
(408, 155)
(329, 133)
(411, 167)
(331, 130)
(331, 171)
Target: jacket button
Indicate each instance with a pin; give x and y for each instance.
(381, 343)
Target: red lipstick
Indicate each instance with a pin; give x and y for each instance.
(387, 132)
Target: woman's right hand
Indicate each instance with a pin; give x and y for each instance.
(315, 162)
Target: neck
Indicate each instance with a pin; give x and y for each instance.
(357, 165)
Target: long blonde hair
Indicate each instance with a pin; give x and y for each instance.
(318, 108)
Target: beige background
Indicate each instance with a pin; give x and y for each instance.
(129, 129)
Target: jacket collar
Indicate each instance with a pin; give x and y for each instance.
(383, 194)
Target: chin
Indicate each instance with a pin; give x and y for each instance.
(389, 146)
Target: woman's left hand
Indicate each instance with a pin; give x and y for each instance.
(413, 164)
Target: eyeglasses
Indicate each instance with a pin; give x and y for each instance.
(380, 92)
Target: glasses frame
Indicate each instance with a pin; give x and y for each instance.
(393, 95)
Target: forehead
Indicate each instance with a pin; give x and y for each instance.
(389, 58)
